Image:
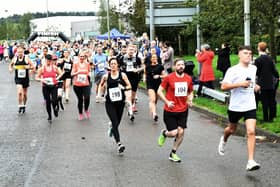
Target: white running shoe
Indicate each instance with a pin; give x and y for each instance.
(252, 165)
(221, 148)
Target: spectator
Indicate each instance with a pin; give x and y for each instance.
(168, 57)
(205, 57)
(223, 62)
(267, 79)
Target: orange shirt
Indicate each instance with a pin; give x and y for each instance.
(82, 78)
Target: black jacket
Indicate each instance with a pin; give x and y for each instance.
(266, 72)
(223, 62)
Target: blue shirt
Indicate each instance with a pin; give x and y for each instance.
(100, 62)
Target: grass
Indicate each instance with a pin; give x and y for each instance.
(221, 108)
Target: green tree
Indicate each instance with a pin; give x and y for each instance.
(137, 19)
(113, 17)
(24, 25)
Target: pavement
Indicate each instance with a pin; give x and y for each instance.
(79, 153)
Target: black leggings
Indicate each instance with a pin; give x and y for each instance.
(50, 96)
(268, 104)
(115, 112)
(83, 95)
(208, 84)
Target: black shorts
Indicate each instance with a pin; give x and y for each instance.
(23, 82)
(173, 120)
(234, 117)
(66, 75)
(153, 86)
(98, 77)
(134, 80)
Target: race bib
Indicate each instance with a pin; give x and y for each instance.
(129, 66)
(101, 66)
(67, 66)
(115, 94)
(181, 89)
(82, 78)
(21, 73)
(250, 88)
(48, 81)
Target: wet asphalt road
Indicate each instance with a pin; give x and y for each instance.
(79, 153)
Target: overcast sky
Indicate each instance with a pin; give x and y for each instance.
(10, 7)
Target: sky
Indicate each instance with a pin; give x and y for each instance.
(10, 7)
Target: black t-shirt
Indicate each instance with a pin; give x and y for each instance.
(152, 70)
(128, 63)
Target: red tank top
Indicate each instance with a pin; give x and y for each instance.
(49, 76)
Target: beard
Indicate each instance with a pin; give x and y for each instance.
(180, 71)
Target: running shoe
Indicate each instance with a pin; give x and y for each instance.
(80, 118)
(110, 132)
(23, 110)
(87, 114)
(161, 139)
(155, 118)
(55, 111)
(19, 110)
(134, 109)
(252, 165)
(131, 117)
(221, 147)
(49, 120)
(174, 157)
(121, 148)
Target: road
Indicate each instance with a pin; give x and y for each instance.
(79, 153)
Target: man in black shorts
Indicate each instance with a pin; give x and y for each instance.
(179, 94)
(240, 80)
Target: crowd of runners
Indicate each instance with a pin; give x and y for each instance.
(114, 72)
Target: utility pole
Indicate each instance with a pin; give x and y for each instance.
(152, 26)
(7, 26)
(108, 22)
(247, 22)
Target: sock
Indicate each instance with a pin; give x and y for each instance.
(173, 151)
(119, 144)
(163, 133)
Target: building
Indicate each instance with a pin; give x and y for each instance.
(71, 26)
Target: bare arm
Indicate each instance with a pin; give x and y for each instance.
(229, 86)
(160, 93)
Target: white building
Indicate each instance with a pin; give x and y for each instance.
(71, 26)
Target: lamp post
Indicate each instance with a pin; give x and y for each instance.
(108, 22)
(152, 26)
(7, 25)
(247, 22)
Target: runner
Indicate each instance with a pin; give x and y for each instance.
(81, 81)
(154, 74)
(178, 87)
(66, 67)
(116, 83)
(22, 64)
(240, 79)
(100, 66)
(132, 66)
(47, 74)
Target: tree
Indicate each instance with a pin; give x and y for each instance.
(223, 21)
(113, 17)
(137, 19)
(24, 25)
(266, 18)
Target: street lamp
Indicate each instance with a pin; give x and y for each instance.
(246, 22)
(7, 25)
(108, 22)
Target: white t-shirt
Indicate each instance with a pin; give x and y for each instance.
(241, 99)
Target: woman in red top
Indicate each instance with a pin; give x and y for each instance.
(81, 81)
(205, 57)
(48, 75)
